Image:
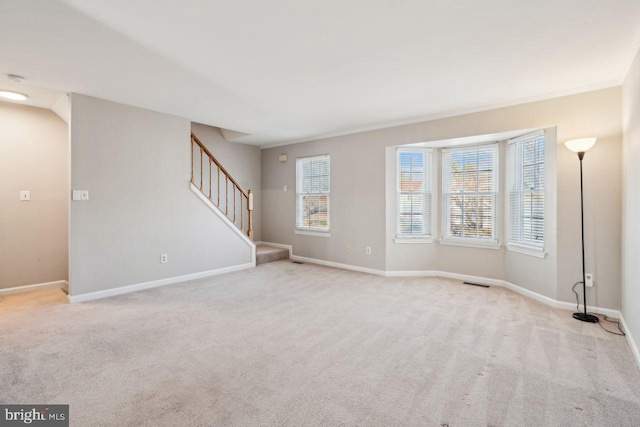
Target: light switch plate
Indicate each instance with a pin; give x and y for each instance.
(25, 195)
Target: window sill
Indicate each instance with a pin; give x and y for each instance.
(471, 243)
(312, 233)
(414, 240)
(527, 250)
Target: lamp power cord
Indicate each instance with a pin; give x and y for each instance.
(604, 317)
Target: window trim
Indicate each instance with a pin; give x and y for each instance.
(426, 237)
(412, 240)
(473, 242)
(305, 232)
(535, 251)
(522, 247)
(312, 231)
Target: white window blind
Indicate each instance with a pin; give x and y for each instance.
(470, 193)
(312, 192)
(526, 190)
(413, 188)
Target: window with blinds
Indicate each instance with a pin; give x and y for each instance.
(413, 188)
(526, 190)
(470, 192)
(312, 192)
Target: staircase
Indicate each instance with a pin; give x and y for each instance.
(265, 254)
(219, 187)
(229, 199)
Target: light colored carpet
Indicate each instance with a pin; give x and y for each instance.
(298, 345)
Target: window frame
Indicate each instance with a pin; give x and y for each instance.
(427, 193)
(516, 172)
(477, 242)
(309, 230)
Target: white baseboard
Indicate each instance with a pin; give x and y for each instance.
(156, 283)
(63, 284)
(533, 295)
(411, 273)
(630, 340)
(599, 310)
(337, 265)
(278, 245)
(462, 277)
(469, 278)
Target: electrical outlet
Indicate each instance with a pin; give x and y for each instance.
(164, 258)
(80, 195)
(25, 195)
(284, 188)
(367, 250)
(349, 249)
(588, 280)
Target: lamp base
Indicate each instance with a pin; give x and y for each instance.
(586, 317)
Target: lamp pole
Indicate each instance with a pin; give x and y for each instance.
(585, 317)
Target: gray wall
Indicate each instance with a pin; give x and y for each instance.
(135, 164)
(242, 161)
(34, 236)
(359, 208)
(538, 275)
(631, 189)
(357, 200)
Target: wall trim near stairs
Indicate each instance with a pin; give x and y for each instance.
(227, 221)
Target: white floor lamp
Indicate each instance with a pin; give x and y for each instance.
(581, 146)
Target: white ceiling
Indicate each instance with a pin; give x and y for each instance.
(294, 70)
(38, 97)
(471, 140)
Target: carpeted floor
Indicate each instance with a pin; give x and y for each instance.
(304, 345)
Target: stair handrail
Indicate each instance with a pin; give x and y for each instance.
(248, 195)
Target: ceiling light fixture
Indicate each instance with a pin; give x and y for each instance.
(15, 78)
(13, 96)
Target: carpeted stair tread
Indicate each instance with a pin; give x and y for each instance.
(265, 254)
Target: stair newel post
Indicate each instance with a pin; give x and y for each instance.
(250, 216)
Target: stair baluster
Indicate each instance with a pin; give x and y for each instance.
(246, 197)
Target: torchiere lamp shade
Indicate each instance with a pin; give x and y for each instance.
(580, 145)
